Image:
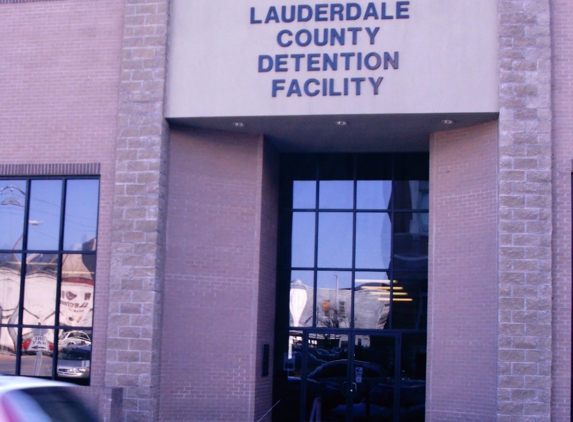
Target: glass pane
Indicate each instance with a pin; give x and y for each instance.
(327, 377)
(371, 300)
(374, 166)
(412, 195)
(12, 206)
(77, 292)
(44, 222)
(80, 224)
(37, 349)
(298, 166)
(336, 194)
(10, 268)
(374, 378)
(334, 299)
(288, 408)
(301, 298)
(302, 252)
(412, 166)
(8, 351)
(40, 289)
(413, 384)
(410, 301)
(304, 194)
(74, 355)
(335, 240)
(336, 167)
(410, 242)
(373, 194)
(373, 240)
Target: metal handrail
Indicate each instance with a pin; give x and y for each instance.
(267, 412)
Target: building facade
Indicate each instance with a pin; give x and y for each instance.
(295, 211)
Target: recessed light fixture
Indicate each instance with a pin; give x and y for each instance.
(238, 124)
(340, 123)
(447, 122)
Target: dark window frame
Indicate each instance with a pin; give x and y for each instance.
(23, 251)
(397, 174)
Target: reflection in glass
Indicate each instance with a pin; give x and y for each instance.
(44, 222)
(288, 408)
(373, 194)
(80, 222)
(304, 194)
(301, 298)
(12, 206)
(10, 268)
(302, 252)
(372, 300)
(410, 241)
(74, 355)
(37, 349)
(410, 301)
(7, 355)
(327, 368)
(77, 291)
(373, 240)
(40, 289)
(334, 299)
(412, 195)
(335, 240)
(413, 383)
(374, 378)
(336, 194)
(375, 386)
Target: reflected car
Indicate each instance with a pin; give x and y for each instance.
(75, 337)
(74, 362)
(333, 376)
(336, 371)
(25, 399)
(379, 404)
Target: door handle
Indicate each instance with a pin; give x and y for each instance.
(353, 389)
(349, 392)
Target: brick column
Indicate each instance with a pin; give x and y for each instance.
(524, 369)
(562, 96)
(139, 208)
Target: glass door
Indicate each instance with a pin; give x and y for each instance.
(357, 384)
(343, 377)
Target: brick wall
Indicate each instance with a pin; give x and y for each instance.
(58, 101)
(525, 220)
(562, 41)
(220, 277)
(267, 278)
(462, 309)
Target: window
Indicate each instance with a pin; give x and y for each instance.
(355, 240)
(48, 247)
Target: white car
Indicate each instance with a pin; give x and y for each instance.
(24, 399)
(74, 338)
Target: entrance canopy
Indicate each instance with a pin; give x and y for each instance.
(293, 70)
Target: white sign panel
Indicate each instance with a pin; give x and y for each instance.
(261, 58)
(39, 343)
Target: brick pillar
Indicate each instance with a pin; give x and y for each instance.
(139, 208)
(562, 41)
(525, 221)
(462, 291)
